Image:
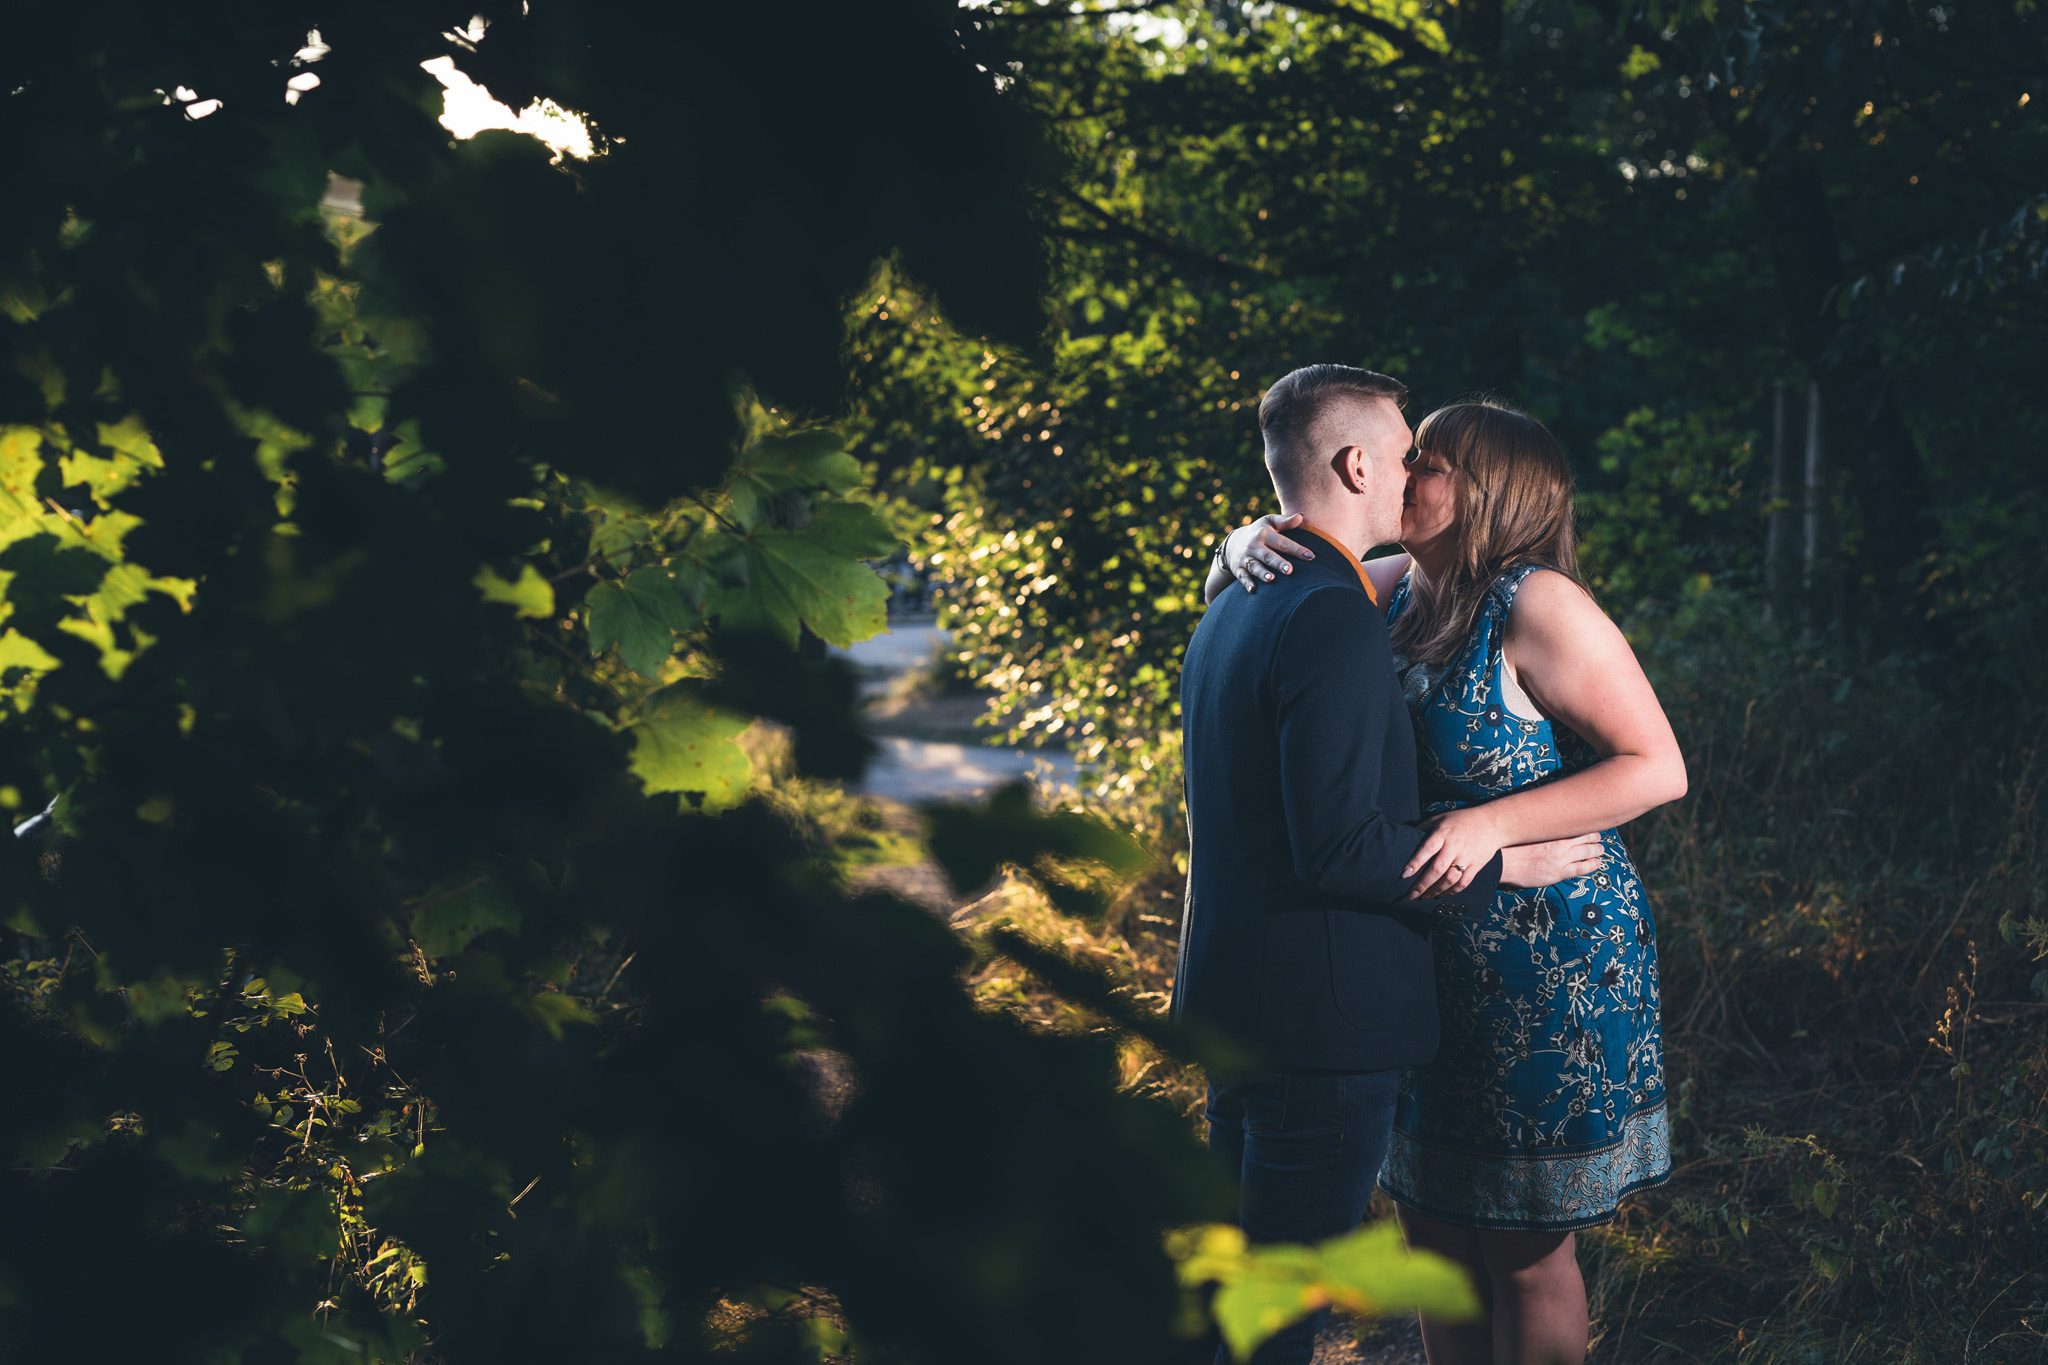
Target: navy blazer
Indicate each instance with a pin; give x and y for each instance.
(1301, 795)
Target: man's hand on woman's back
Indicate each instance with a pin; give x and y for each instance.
(1526, 866)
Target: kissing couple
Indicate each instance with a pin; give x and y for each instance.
(1406, 889)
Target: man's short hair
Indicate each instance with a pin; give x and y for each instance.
(1289, 412)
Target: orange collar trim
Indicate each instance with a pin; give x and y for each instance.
(1349, 558)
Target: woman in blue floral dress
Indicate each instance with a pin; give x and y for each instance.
(1545, 1104)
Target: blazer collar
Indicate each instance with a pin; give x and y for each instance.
(1344, 554)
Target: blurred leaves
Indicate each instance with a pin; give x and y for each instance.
(410, 555)
(682, 744)
(802, 580)
(530, 595)
(641, 614)
(776, 466)
(1366, 1273)
(972, 842)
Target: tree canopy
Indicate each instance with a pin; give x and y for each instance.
(1634, 222)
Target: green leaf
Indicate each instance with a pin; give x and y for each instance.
(445, 924)
(1207, 1253)
(1372, 1270)
(793, 578)
(1369, 1272)
(616, 535)
(800, 459)
(641, 615)
(531, 596)
(1639, 64)
(1258, 1305)
(828, 1337)
(777, 468)
(21, 464)
(853, 529)
(681, 744)
(131, 452)
(556, 1011)
(18, 651)
(157, 999)
(800, 1021)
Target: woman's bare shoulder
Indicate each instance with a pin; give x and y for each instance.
(1385, 571)
(1549, 600)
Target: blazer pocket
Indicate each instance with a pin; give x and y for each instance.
(1379, 970)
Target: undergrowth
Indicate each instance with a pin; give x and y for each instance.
(1856, 1015)
(1855, 976)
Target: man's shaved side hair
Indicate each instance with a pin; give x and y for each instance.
(1289, 412)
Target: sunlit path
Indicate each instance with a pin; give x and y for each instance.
(929, 750)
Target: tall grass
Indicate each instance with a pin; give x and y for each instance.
(1856, 1018)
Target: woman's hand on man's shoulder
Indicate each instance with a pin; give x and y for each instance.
(1254, 554)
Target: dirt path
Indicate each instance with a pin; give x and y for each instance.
(931, 748)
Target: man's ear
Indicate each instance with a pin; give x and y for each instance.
(1349, 463)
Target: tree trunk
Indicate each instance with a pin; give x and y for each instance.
(1872, 447)
(1778, 511)
(1814, 556)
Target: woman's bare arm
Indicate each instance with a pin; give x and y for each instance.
(1577, 666)
(1217, 581)
(1253, 554)
(1385, 571)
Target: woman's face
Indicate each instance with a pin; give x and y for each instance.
(1429, 505)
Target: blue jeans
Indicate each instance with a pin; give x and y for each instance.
(1306, 1147)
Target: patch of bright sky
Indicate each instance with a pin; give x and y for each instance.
(468, 109)
(312, 52)
(195, 107)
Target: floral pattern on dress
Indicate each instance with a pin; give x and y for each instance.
(1544, 1106)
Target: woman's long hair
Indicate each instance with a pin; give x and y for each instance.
(1512, 505)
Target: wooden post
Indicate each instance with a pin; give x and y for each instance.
(1778, 510)
(1816, 494)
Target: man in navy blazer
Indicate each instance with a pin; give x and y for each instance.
(1299, 937)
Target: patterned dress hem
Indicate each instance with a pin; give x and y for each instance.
(1466, 1220)
(1644, 1150)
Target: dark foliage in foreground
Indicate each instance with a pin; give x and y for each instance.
(402, 969)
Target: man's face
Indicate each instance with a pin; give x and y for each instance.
(1383, 434)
